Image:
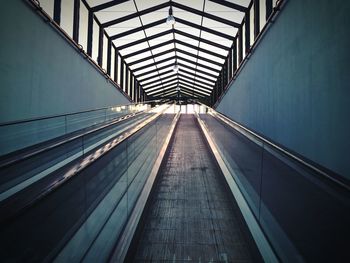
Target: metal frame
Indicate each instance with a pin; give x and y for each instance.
(126, 74)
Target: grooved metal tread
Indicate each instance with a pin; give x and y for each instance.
(191, 216)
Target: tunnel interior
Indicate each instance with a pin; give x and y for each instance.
(174, 131)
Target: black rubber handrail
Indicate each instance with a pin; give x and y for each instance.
(72, 113)
(91, 157)
(67, 140)
(300, 159)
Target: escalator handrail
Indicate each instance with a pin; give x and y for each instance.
(69, 139)
(256, 137)
(88, 159)
(70, 114)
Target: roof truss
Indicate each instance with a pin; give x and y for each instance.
(189, 68)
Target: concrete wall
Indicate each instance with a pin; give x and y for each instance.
(41, 73)
(295, 88)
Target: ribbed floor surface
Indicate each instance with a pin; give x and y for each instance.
(192, 216)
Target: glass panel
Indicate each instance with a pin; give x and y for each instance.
(21, 135)
(262, 13)
(95, 40)
(112, 62)
(47, 5)
(67, 8)
(119, 68)
(83, 26)
(105, 47)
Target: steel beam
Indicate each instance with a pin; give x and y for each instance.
(151, 57)
(200, 65)
(247, 32)
(192, 83)
(116, 68)
(180, 64)
(155, 76)
(240, 45)
(136, 14)
(214, 44)
(230, 5)
(172, 65)
(127, 80)
(196, 90)
(156, 70)
(107, 5)
(170, 31)
(138, 52)
(57, 11)
(196, 87)
(234, 57)
(137, 29)
(207, 15)
(196, 69)
(201, 58)
(205, 29)
(194, 78)
(109, 56)
(89, 33)
(268, 8)
(76, 18)
(163, 89)
(162, 83)
(100, 47)
(122, 65)
(256, 18)
(198, 76)
(200, 49)
(153, 64)
(230, 67)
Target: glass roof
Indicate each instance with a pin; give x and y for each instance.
(198, 42)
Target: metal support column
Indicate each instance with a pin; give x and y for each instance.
(89, 33)
(116, 66)
(247, 31)
(230, 61)
(141, 95)
(122, 73)
(132, 94)
(234, 57)
(57, 11)
(268, 8)
(76, 17)
(126, 79)
(135, 92)
(109, 55)
(240, 45)
(256, 18)
(100, 47)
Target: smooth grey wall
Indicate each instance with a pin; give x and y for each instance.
(295, 88)
(41, 73)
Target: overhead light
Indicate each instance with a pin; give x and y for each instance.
(178, 88)
(170, 19)
(176, 67)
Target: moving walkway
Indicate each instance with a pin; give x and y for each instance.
(171, 187)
